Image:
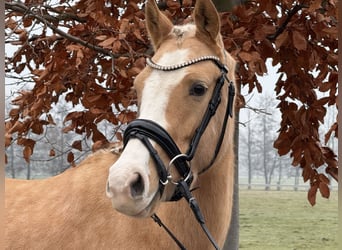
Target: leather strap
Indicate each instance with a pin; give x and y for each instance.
(154, 131)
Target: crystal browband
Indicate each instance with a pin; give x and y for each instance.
(184, 64)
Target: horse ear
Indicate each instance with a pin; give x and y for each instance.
(207, 19)
(158, 25)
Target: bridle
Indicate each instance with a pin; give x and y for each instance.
(146, 130)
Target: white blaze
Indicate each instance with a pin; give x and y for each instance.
(157, 90)
(159, 86)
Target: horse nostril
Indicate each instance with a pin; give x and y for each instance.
(137, 186)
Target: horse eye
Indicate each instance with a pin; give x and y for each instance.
(197, 89)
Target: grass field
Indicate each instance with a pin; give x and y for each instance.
(284, 220)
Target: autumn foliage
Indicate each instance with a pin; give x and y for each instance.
(88, 53)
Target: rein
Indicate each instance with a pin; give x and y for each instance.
(144, 130)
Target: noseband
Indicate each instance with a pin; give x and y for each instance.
(146, 130)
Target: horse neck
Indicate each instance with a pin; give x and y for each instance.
(216, 188)
(214, 196)
(90, 176)
(218, 179)
(215, 192)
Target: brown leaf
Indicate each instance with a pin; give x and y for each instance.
(324, 189)
(125, 117)
(50, 120)
(239, 31)
(17, 127)
(108, 42)
(173, 4)
(37, 128)
(307, 173)
(77, 145)
(79, 57)
(27, 152)
(119, 136)
(324, 179)
(267, 29)
(312, 194)
(8, 139)
(52, 153)
(73, 47)
(20, 68)
(41, 91)
(258, 86)
(93, 98)
(333, 172)
(14, 112)
(23, 35)
(116, 46)
(97, 111)
(282, 143)
(72, 115)
(101, 37)
(314, 5)
(70, 157)
(123, 28)
(245, 56)
(282, 39)
(69, 128)
(299, 41)
(137, 34)
(333, 128)
(247, 45)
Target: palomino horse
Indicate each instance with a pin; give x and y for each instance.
(180, 142)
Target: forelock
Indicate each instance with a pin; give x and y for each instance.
(183, 31)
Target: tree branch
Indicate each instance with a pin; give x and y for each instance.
(62, 16)
(257, 110)
(21, 8)
(282, 27)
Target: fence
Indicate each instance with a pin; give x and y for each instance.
(292, 183)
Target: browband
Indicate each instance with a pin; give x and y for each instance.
(214, 59)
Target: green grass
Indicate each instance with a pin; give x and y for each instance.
(284, 220)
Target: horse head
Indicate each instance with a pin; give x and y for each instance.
(170, 141)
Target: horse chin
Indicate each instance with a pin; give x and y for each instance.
(137, 212)
(150, 209)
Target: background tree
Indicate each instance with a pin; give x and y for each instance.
(265, 131)
(88, 53)
(300, 36)
(259, 158)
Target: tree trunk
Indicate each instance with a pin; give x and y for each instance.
(270, 172)
(249, 151)
(280, 175)
(232, 240)
(296, 179)
(267, 187)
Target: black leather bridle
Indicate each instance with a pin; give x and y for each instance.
(146, 130)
